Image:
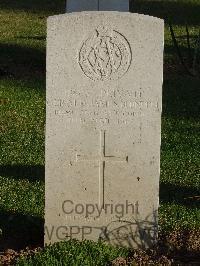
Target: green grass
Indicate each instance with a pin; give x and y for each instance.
(180, 161)
(22, 120)
(74, 253)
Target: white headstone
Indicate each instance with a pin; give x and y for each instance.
(98, 5)
(114, 5)
(81, 5)
(104, 94)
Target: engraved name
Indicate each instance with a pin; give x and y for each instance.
(109, 106)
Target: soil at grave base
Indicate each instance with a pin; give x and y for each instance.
(176, 248)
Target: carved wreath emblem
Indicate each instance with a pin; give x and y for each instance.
(105, 55)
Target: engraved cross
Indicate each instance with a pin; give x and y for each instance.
(102, 160)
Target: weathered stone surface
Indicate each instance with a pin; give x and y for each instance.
(92, 5)
(104, 92)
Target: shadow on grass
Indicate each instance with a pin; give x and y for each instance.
(22, 62)
(35, 6)
(181, 97)
(32, 173)
(20, 231)
(170, 49)
(37, 38)
(173, 64)
(178, 12)
(187, 196)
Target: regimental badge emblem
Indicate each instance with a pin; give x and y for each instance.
(105, 55)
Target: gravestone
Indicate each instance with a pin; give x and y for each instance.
(98, 5)
(104, 93)
(81, 5)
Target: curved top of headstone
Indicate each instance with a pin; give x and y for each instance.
(102, 14)
(97, 5)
